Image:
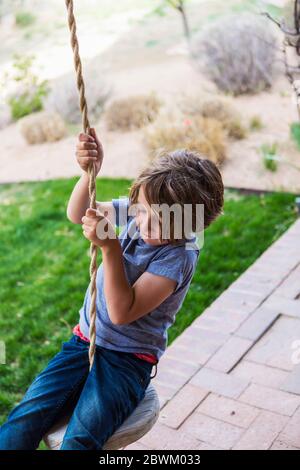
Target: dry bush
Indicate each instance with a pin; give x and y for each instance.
(204, 135)
(218, 108)
(63, 97)
(132, 113)
(238, 53)
(42, 127)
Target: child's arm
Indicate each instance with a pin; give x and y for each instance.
(125, 303)
(89, 149)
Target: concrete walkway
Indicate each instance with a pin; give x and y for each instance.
(232, 379)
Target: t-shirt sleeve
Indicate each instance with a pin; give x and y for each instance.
(121, 206)
(170, 265)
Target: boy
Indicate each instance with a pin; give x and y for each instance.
(141, 284)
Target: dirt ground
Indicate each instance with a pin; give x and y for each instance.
(167, 70)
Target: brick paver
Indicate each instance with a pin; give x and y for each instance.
(219, 382)
(228, 410)
(270, 399)
(212, 431)
(292, 382)
(261, 434)
(182, 405)
(232, 379)
(261, 374)
(275, 348)
(291, 433)
(229, 354)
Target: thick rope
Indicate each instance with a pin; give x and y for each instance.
(91, 174)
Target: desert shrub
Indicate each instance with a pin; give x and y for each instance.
(205, 135)
(237, 53)
(63, 97)
(256, 123)
(42, 127)
(218, 108)
(133, 112)
(29, 92)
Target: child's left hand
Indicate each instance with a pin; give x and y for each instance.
(97, 228)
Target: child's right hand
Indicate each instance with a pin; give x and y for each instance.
(89, 149)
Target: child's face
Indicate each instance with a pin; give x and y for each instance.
(147, 221)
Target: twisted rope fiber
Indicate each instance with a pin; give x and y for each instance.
(91, 174)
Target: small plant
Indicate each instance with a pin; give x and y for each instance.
(24, 19)
(295, 133)
(270, 157)
(237, 53)
(30, 89)
(132, 113)
(256, 123)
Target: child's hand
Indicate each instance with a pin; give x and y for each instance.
(89, 149)
(97, 228)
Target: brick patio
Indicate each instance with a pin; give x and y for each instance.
(231, 380)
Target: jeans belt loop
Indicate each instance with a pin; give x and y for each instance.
(152, 376)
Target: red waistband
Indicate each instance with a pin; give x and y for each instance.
(145, 356)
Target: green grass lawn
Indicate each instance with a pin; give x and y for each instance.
(44, 268)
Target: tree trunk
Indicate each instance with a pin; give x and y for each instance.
(186, 26)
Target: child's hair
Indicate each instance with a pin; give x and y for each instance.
(182, 177)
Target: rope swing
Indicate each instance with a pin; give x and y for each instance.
(91, 174)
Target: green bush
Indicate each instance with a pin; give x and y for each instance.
(24, 19)
(295, 133)
(31, 90)
(270, 158)
(25, 104)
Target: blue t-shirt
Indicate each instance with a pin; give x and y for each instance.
(147, 334)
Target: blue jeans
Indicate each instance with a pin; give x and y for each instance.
(99, 401)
